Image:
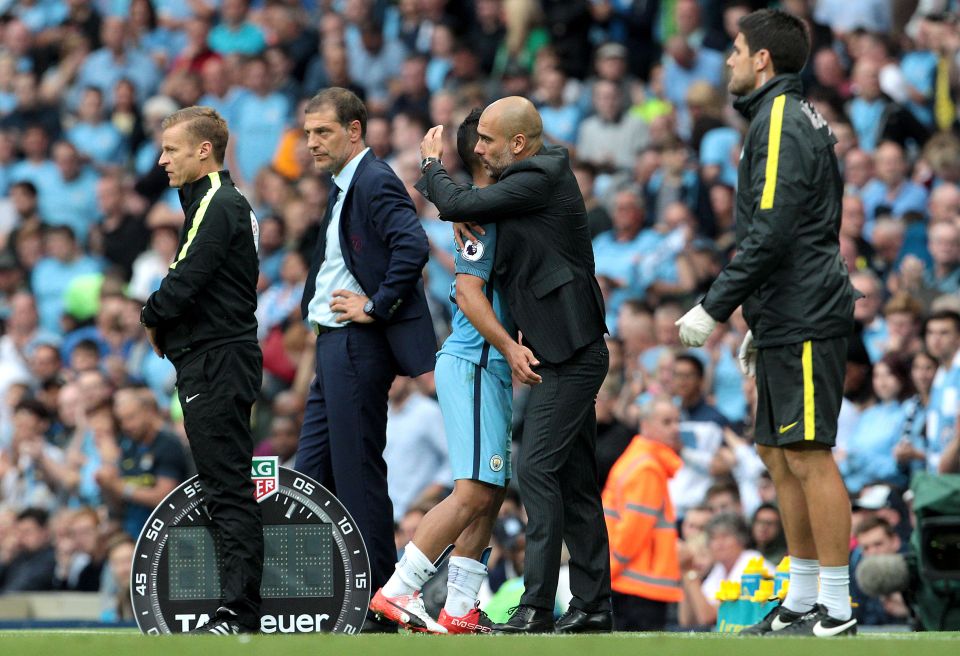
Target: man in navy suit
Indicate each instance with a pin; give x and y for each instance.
(364, 299)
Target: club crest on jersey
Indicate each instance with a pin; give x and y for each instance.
(496, 463)
(265, 474)
(472, 250)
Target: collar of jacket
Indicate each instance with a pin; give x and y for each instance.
(194, 191)
(749, 104)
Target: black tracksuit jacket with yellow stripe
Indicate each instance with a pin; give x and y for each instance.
(209, 295)
(787, 273)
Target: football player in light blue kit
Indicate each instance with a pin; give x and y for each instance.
(475, 389)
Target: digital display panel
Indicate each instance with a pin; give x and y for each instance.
(298, 562)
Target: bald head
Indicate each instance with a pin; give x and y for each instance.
(510, 129)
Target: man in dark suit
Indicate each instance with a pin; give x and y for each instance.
(544, 261)
(364, 299)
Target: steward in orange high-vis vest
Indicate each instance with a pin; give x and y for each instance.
(644, 567)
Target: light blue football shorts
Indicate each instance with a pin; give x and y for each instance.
(477, 411)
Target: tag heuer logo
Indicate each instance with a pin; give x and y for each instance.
(266, 477)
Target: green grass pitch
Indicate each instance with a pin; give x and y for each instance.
(123, 643)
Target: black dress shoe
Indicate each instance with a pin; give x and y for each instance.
(578, 621)
(527, 619)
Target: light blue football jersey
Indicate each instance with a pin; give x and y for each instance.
(476, 259)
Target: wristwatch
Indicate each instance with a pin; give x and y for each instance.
(426, 162)
(368, 308)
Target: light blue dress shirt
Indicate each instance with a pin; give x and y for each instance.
(333, 273)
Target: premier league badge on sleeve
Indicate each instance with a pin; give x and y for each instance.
(472, 250)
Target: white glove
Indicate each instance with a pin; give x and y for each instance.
(748, 356)
(695, 326)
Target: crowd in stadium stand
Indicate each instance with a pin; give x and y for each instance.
(91, 436)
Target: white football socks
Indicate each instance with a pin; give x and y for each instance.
(835, 591)
(802, 593)
(412, 572)
(464, 578)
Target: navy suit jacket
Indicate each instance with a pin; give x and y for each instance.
(385, 248)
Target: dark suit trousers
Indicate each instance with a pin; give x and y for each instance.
(345, 431)
(557, 472)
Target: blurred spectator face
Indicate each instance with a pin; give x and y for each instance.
(164, 242)
(687, 14)
(91, 106)
(627, 214)
(413, 76)
(851, 217)
(663, 425)
(35, 143)
(585, 181)
(635, 329)
(724, 502)
(120, 560)
(694, 523)
(69, 404)
(83, 530)
(233, 12)
(442, 107)
(681, 52)
(284, 436)
(766, 489)
(664, 325)
(866, 80)
(888, 237)
(32, 536)
(25, 89)
(944, 244)
(24, 202)
(110, 196)
(113, 33)
(45, 362)
(902, 326)
(214, 78)
(94, 389)
(944, 203)
(378, 136)
(890, 164)
(17, 38)
(271, 235)
(487, 11)
(611, 67)
(725, 546)
(857, 168)
(67, 159)
(766, 526)
(731, 19)
(23, 313)
(59, 245)
(942, 339)
(27, 427)
(124, 96)
(865, 310)
(922, 371)
(687, 383)
(552, 84)
(294, 269)
(256, 76)
(441, 42)
(846, 139)
(136, 420)
(877, 542)
(885, 385)
(828, 69)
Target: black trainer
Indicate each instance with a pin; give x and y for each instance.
(776, 620)
(223, 622)
(819, 624)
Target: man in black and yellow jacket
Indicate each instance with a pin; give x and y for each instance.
(202, 319)
(798, 302)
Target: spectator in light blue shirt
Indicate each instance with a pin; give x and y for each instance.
(35, 166)
(866, 110)
(617, 251)
(217, 92)
(682, 66)
(374, 61)
(70, 196)
(93, 136)
(63, 262)
(259, 121)
(944, 246)
(890, 190)
(103, 68)
(560, 119)
(869, 454)
(235, 35)
(282, 297)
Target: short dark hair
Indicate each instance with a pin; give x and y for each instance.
(467, 139)
(944, 315)
(872, 522)
(26, 186)
(39, 515)
(346, 105)
(782, 35)
(34, 407)
(724, 486)
(693, 360)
